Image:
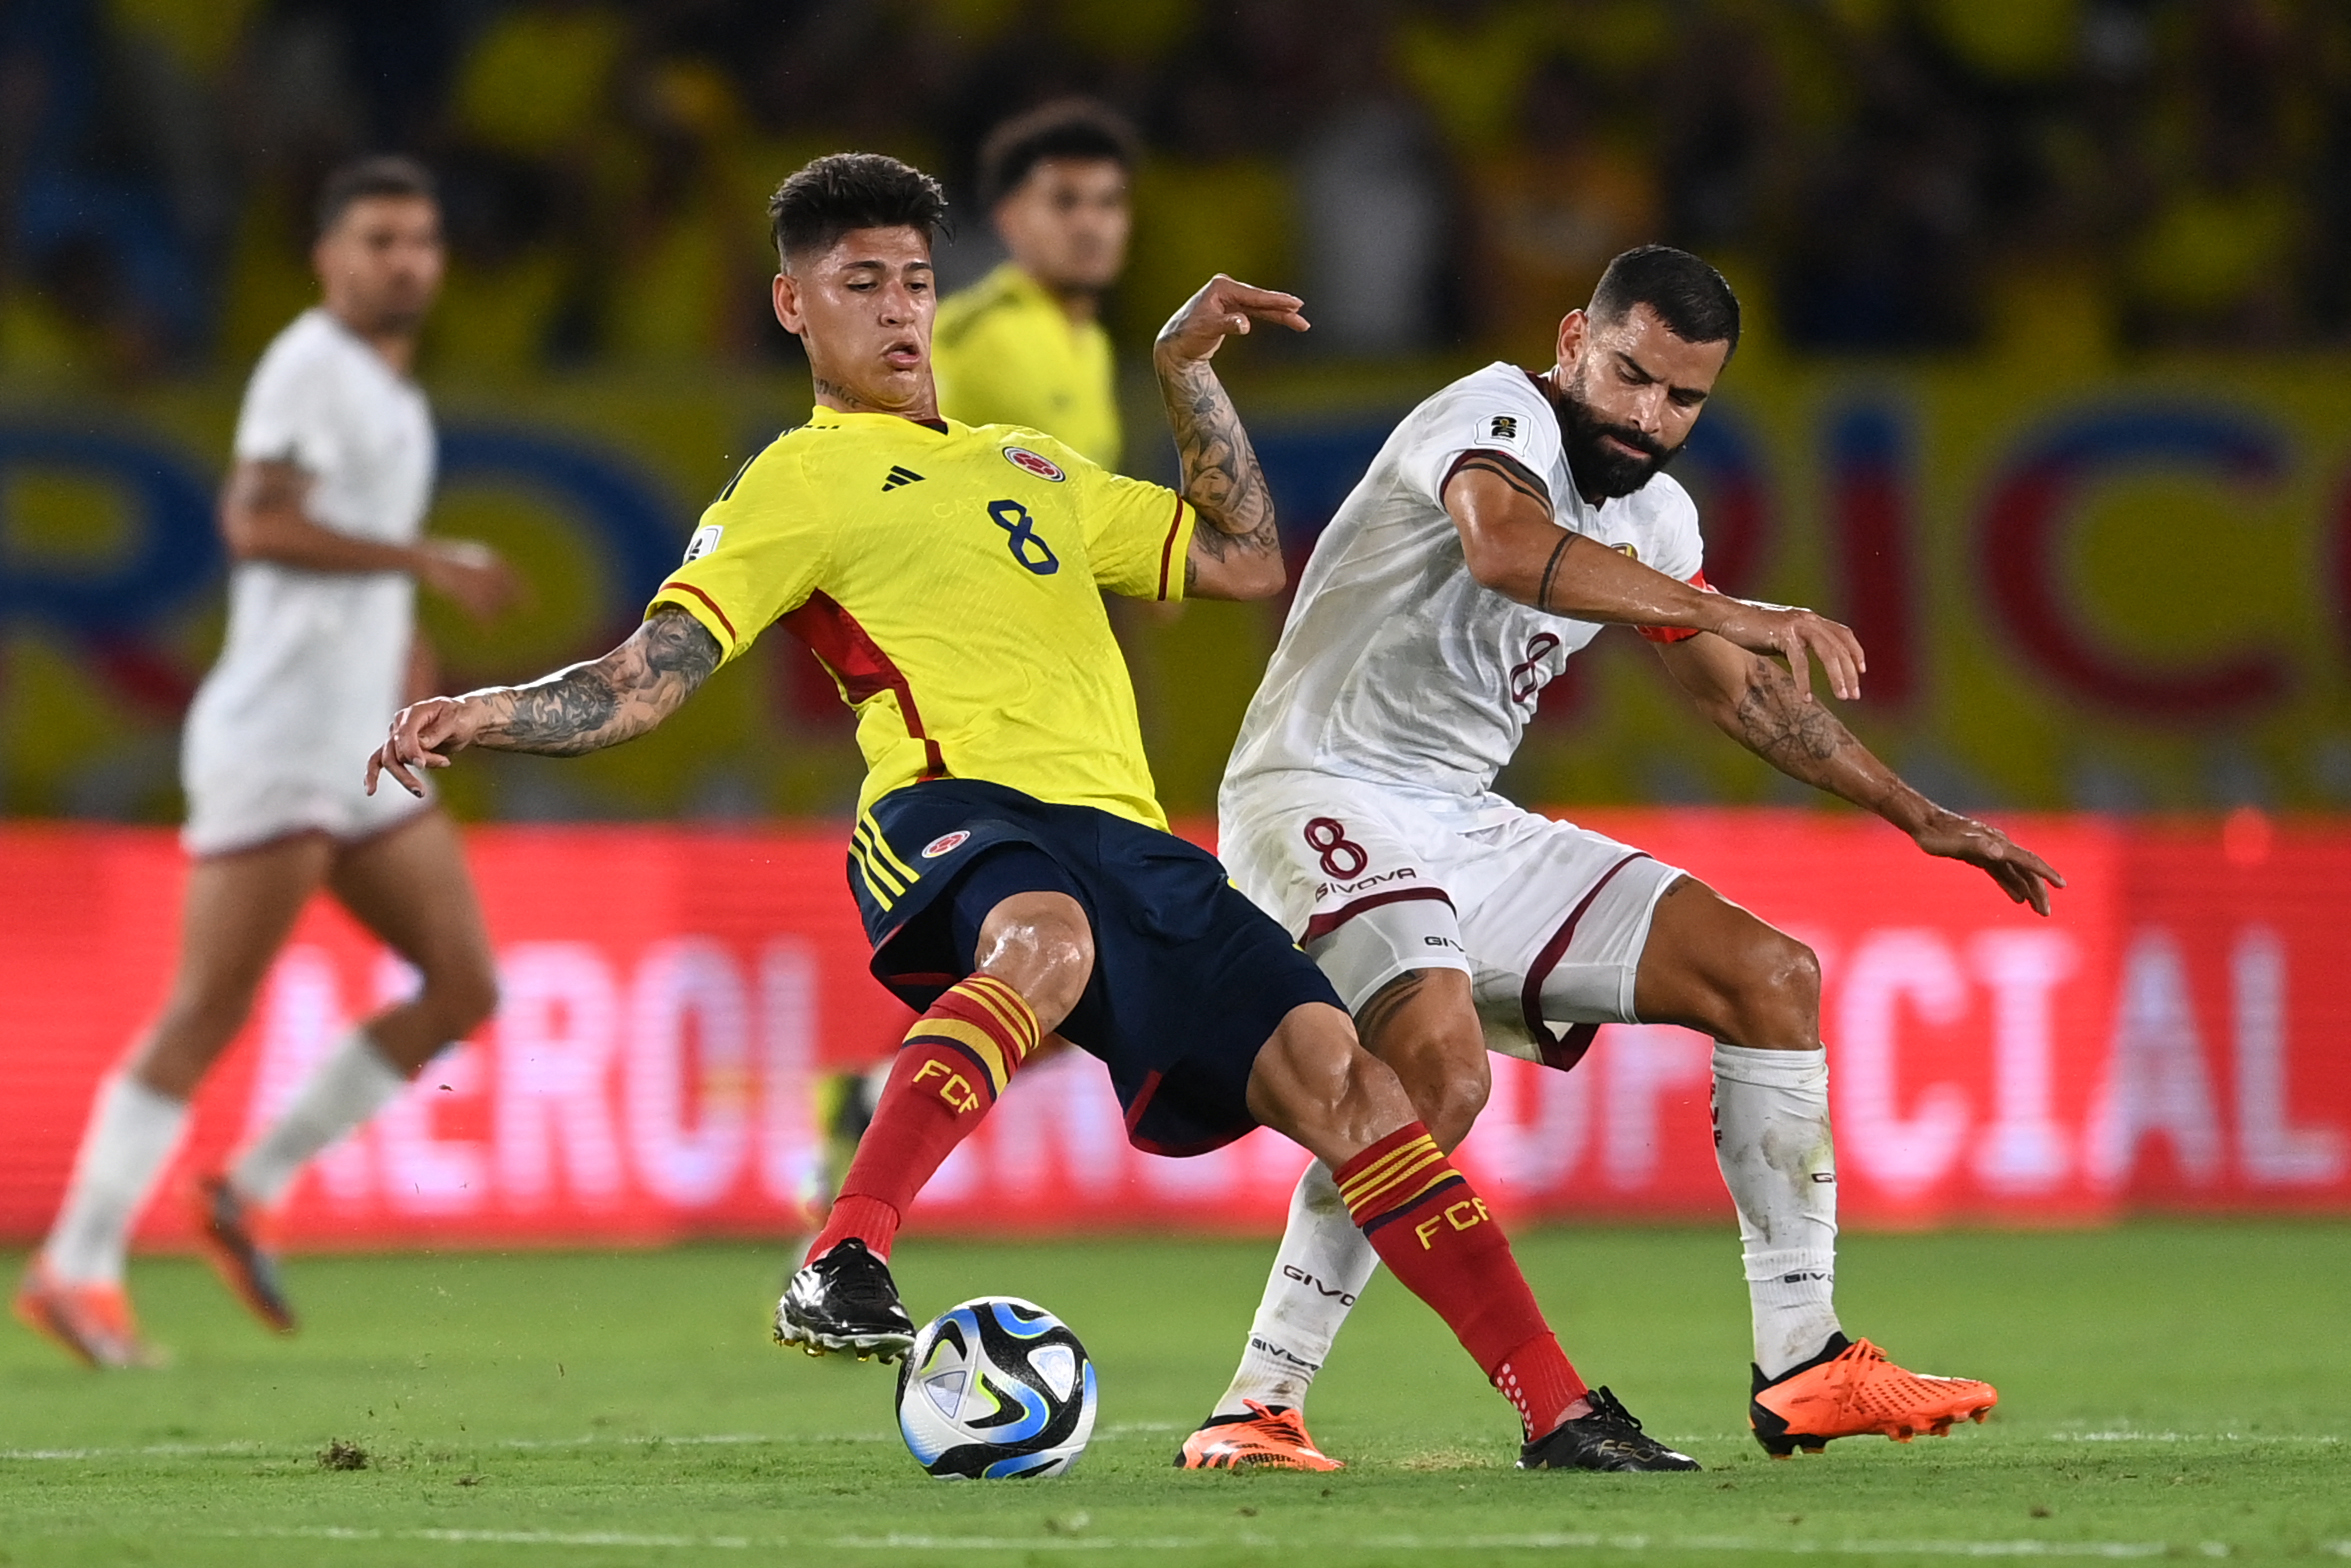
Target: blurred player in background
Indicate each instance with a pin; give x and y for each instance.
(1505, 522)
(1010, 860)
(322, 513)
(1024, 346)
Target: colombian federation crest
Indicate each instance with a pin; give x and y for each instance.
(1029, 462)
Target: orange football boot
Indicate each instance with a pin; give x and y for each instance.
(235, 1240)
(92, 1322)
(1269, 1437)
(1849, 1389)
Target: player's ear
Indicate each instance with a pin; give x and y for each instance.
(1572, 330)
(787, 303)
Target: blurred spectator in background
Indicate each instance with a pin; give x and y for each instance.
(105, 281)
(2217, 253)
(1024, 346)
(1549, 213)
(532, 109)
(691, 264)
(1896, 175)
(1212, 197)
(1372, 207)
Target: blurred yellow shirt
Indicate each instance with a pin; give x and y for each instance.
(1006, 353)
(951, 579)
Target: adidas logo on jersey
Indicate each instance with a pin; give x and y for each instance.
(899, 476)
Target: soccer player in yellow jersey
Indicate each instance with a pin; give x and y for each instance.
(1023, 346)
(1012, 868)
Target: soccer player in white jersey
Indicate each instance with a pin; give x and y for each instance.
(322, 514)
(1505, 522)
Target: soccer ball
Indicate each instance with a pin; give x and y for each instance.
(993, 1389)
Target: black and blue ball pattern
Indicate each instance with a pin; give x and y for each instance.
(996, 1389)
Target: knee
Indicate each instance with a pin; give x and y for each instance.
(1779, 993)
(1044, 951)
(463, 998)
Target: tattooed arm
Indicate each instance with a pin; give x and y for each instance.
(582, 709)
(1758, 704)
(1235, 554)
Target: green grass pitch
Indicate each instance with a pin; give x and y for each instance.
(2168, 1389)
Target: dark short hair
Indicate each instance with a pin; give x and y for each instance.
(363, 178)
(1065, 128)
(829, 196)
(1690, 297)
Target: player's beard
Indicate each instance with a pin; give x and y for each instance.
(1599, 469)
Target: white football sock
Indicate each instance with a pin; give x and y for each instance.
(351, 1083)
(1771, 1138)
(1323, 1265)
(133, 1130)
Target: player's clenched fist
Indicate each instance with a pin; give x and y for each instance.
(423, 736)
(1224, 308)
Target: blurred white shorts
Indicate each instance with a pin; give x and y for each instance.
(233, 810)
(1547, 919)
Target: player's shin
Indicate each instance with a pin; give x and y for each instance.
(352, 1082)
(955, 1061)
(1323, 1265)
(132, 1132)
(1771, 1138)
(1436, 1233)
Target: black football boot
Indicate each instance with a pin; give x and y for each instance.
(1610, 1438)
(845, 1300)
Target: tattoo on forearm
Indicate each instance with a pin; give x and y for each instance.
(612, 699)
(1551, 570)
(1376, 1014)
(1220, 474)
(1778, 725)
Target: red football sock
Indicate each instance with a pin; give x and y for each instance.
(956, 1060)
(1432, 1230)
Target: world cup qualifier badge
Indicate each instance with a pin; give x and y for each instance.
(1507, 431)
(1030, 462)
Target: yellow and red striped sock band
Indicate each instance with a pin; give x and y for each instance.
(1393, 1175)
(984, 1019)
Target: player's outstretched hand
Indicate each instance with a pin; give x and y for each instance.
(2024, 876)
(424, 734)
(1799, 636)
(1224, 308)
(471, 574)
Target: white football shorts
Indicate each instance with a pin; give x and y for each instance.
(1547, 919)
(233, 807)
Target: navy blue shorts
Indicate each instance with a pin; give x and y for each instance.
(1190, 978)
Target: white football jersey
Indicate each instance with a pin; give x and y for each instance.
(314, 663)
(1397, 666)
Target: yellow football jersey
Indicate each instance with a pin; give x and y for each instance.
(949, 577)
(1004, 352)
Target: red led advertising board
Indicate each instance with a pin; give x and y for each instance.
(2176, 1038)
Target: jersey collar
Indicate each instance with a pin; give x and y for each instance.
(820, 415)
